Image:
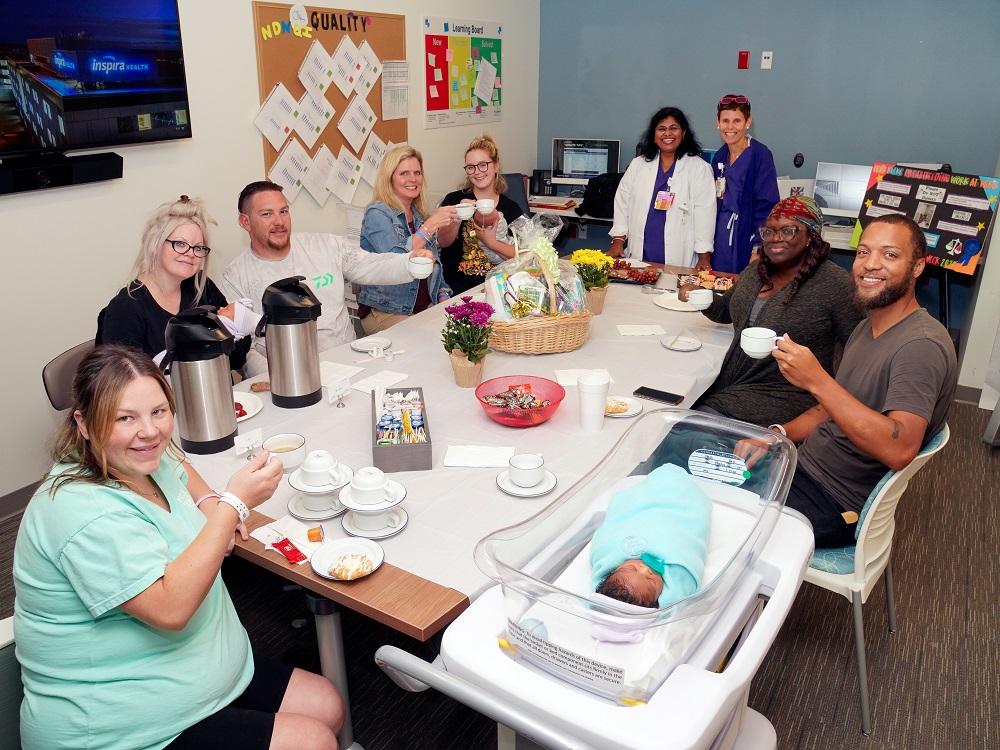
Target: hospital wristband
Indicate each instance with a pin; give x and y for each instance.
(778, 428)
(230, 499)
(203, 498)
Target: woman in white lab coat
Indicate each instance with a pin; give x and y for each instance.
(665, 205)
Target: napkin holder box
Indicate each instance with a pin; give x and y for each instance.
(406, 457)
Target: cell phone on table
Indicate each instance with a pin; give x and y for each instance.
(652, 394)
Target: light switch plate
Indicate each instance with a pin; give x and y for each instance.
(765, 60)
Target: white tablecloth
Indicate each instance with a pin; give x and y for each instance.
(450, 509)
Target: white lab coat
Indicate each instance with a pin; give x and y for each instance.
(689, 228)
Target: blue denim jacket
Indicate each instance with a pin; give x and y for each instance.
(384, 230)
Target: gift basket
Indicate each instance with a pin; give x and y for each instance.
(540, 301)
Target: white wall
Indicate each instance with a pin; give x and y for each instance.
(69, 250)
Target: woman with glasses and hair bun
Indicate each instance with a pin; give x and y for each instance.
(482, 241)
(665, 203)
(170, 275)
(791, 287)
(746, 186)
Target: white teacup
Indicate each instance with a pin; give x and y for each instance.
(368, 486)
(485, 206)
(319, 501)
(288, 447)
(319, 468)
(420, 267)
(375, 521)
(701, 299)
(526, 469)
(465, 211)
(759, 342)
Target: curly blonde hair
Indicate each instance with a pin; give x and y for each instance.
(486, 142)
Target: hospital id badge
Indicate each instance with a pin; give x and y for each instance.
(664, 200)
(720, 187)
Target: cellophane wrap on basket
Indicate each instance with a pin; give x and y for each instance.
(519, 287)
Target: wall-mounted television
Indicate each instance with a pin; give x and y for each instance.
(576, 160)
(78, 75)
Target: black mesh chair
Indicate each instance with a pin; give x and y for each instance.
(57, 375)
(516, 192)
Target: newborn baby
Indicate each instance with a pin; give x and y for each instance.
(651, 549)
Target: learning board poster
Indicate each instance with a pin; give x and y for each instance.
(954, 210)
(462, 72)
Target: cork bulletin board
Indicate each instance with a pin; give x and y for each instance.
(282, 45)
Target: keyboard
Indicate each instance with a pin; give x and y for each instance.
(838, 235)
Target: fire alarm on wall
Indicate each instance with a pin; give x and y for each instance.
(743, 62)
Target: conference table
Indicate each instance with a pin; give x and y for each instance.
(429, 576)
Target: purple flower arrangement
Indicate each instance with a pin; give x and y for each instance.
(468, 329)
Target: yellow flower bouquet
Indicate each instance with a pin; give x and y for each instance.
(593, 267)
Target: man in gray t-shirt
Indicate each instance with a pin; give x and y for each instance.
(891, 394)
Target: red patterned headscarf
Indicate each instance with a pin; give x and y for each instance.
(800, 208)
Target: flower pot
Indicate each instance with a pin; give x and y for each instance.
(595, 296)
(467, 374)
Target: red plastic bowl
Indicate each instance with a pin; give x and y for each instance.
(541, 388)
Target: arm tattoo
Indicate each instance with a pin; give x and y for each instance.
(895, 429)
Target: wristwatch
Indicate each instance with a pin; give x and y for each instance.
(230, 499)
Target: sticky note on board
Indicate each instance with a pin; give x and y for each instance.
(468, 63)
(454, 71)
(493, 57)
(437, 74)
(465, 95)
(433, 92)
(454, 85)
(462, 80)
(479, 109)
(431, 59)
(496, 83)
(454, 100)
(475, 52)
(449, 55)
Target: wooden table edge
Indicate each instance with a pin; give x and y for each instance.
(392, 596)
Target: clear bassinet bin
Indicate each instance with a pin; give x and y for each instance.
(543, 563)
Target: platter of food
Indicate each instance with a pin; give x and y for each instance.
(625, 271)
(707, 280)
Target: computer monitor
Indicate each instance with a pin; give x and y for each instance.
(840, 188)
(576, 160)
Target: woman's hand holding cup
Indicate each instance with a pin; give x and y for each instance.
(257, 481)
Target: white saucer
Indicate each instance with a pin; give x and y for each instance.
(634, 407)
(394, 494)
(669, 301)
(401, 518)
(345, 475)
(370, 344)
(251, 404)
(329, 552)
(297, 510)
(545, 486)
(682, 343)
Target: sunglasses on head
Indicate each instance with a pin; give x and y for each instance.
(734, 100)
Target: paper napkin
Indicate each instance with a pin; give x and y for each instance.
(385, 378)
(286, 528)
(654, 330)
(478, 455)
(568, 377)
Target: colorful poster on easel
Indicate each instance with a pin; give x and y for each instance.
(462, 72)
(954, 210)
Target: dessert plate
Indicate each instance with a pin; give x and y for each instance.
(371, 343)
(680, 343)
(670, 302)
(633, 404)
(251, 403)
(330, 552)
(547, 484)
(397, 522)
(297, 509)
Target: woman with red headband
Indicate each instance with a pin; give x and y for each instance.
(791, 288)
(746, 186)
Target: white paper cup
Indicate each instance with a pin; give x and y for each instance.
(287, 447)
(701, 299)
(376, 521)
(593, 389)
(485, 206)
(759, 342)
(319, 468)
(465, 211)
(319, 501)
(420, 267)
(526, 469)
(368, 486)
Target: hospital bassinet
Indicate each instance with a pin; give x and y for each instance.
(543, 565)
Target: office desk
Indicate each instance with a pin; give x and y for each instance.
(537, 204)
(429, 575)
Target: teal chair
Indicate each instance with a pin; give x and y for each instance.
(853, 571)
(11, 691)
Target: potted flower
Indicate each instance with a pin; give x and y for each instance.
(466, 337)
(593, 267)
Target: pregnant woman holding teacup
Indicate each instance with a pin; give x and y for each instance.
(171, 275)
(791, 288)
(126, 635)
(485, 212)
(397, 222)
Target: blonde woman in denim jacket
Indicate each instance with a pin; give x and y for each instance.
(397, 221)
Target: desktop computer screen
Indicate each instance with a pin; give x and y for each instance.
(840, 188)
(576, 160)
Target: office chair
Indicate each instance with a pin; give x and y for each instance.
(516, 192)
(11, 690)
(853, 571)
(57, 375)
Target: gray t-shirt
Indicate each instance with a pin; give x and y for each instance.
(911, 367)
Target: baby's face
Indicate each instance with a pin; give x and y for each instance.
(645, 583)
